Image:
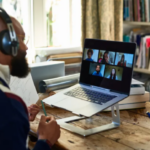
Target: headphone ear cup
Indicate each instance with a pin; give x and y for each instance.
(5, 43)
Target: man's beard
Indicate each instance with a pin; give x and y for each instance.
(19, 65)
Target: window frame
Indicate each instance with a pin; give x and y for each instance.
(40, 44)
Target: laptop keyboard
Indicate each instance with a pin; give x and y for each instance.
(91, 96)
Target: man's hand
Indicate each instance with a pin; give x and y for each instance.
(33, 111)
(49, 129)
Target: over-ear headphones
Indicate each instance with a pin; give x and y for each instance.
(9, 43)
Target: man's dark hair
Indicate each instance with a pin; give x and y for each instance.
(90, 51)
(98, 65)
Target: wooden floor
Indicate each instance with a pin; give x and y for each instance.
(133, 133)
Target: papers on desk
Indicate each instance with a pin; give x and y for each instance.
(136, 82)
(24, 88)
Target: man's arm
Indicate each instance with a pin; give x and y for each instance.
(14, 128)
(42, 145)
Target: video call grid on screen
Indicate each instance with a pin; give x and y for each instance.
(108, 57)
(120, 61)
(106, 71)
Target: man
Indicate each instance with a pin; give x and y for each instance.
(97, 72)
(89, 53)
(14, 126)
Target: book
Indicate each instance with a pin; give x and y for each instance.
(147, 52)
(133, 102)
(68, 58)
(136, 99)
(66, 55)
(146, 11)
(149, 8)
(135, 10)
(143, 10)
(137, 89)
(124, 10)
(138, 63)
(127, 10)
(138, 11)
(131, 9)
(143, 53)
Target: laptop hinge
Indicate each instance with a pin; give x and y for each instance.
(95, 87)
(119, 92)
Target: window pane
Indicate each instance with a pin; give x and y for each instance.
(76, 22)
(20, 9)
(13, 8)
(63, 22)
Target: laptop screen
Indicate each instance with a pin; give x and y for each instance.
(108, 64)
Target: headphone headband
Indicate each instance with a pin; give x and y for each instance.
(5, 16)
(12, 33)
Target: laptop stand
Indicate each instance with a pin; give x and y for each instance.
(115, 123)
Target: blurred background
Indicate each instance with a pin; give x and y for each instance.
(57, 29)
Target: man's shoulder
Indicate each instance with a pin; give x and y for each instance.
(7, 96)
(100, 74)
(94, 72)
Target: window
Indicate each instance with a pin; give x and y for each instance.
(21, 10)
(63, 22)
(54, 26)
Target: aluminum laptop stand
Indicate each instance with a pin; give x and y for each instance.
(115, 123)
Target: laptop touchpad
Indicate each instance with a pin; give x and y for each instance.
(71, 104)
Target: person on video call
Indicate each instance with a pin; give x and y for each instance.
(89, 53)
(113, 75)
(97, 71)
(106, 58)
(100, 57)
(122, 62)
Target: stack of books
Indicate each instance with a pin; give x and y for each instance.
(137, 99)
(72, 61)
(136, 10)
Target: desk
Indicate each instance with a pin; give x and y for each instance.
(133, 133)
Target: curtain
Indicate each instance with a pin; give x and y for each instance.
(102, 19)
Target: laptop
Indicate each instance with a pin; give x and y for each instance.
(105, 78)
